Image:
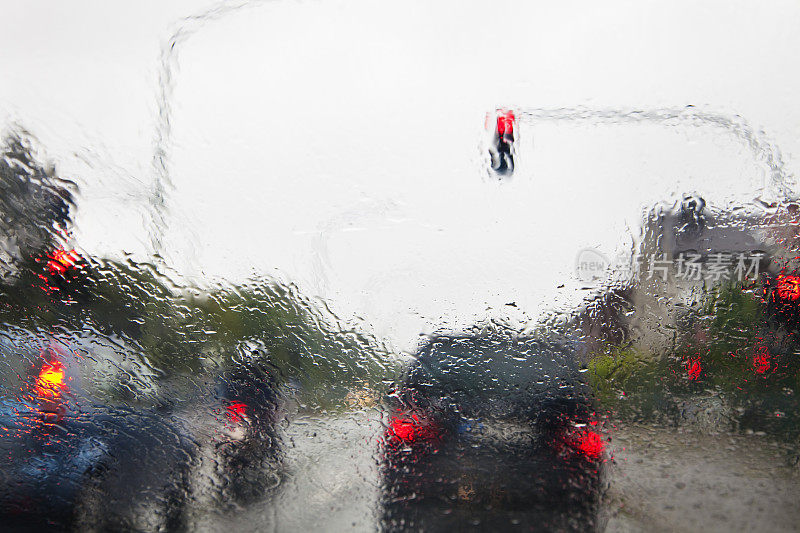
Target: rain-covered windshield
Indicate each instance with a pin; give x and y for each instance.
(362, 266)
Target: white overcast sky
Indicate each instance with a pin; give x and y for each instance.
(335, 144)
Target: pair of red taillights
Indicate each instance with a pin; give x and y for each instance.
(411, 428)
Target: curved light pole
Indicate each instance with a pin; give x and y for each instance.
(168, 62)
(762, 149)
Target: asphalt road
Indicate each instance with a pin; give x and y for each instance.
(659, 480)
(669, 480)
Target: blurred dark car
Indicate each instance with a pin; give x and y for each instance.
(90, 437)
(55, 445)
(492, 432)
(68, 463)
(239, 456)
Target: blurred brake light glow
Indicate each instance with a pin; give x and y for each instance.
(59, 261)
(51, 379)
(410, 429)
(694, 368)
(236, 412)
(788, 287)
(761, 360)
(591, 444)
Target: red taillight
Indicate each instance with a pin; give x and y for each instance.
(50, 381)
(582, 439)
(236, 412)
(591, 444)
(59, 261)
(694, 369)
(403, 428)
(49, 388)
(788, 287)
(411, 428)
(761, 360)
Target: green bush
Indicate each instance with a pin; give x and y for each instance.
(630, 383)
(731, 347)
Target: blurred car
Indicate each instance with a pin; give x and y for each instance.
(71, 463)
(232, 460)
(239, 450)
(492, 432)
(501, 145)
(56, 444)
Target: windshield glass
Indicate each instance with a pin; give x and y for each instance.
(418, 266)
